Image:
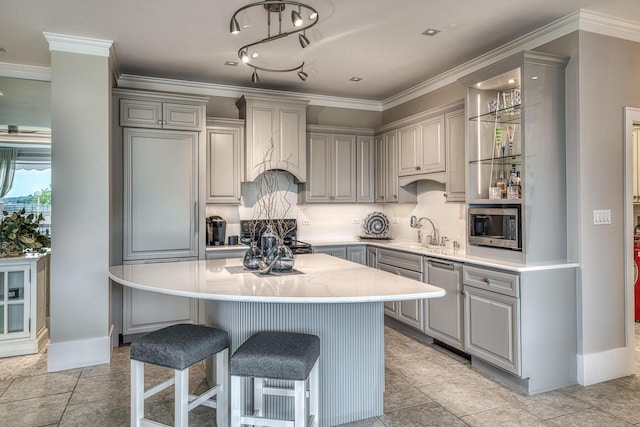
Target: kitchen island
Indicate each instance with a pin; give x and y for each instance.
(340, 301)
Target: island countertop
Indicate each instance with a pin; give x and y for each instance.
(322, 279)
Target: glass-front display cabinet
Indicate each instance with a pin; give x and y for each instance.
(516, 150)
(23, 286)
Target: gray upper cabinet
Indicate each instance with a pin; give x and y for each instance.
(340, 166)
(275, 135)
(391, 176)
(455, 149)
(422, 147)
(225, 146)
(160, 115)
(380, 169)
(387, 186)
(365, 169)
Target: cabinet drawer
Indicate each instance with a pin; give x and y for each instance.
(337, 251)
(401, 259)
(146, 114)
(401, 271)
(181, 116)
(496, 281)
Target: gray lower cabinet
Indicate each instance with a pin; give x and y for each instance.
(444, 317)
(372, 257)
(410, 312)
(357, 254)
(339, 251)
(522, 323)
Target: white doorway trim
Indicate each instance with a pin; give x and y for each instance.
(631, 117)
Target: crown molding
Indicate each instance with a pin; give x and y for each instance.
(582, 19)
(75, 44)
(212, 89)
(28, 72)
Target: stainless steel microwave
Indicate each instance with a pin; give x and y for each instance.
(495, 226)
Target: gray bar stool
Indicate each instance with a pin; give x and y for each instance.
(179, 347)
(277, 356)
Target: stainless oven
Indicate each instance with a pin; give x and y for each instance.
(495, 226)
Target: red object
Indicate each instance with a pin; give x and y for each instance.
(636, 266)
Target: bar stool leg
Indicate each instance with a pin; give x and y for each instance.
(236, 400)
(222, 397)
(137, 392)
(258, 397)
(300, 403)
(182, 398)
(314, 395)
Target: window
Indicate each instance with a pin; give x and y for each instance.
(31, 190)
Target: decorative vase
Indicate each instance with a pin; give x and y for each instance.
(284, 258)
(252, 257)
(268, 243)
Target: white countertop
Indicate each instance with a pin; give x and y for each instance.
(326, 279)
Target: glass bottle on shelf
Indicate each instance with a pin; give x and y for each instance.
(512, 191)
(502, 185)
(519, 184)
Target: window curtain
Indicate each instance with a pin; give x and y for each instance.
(7, 169)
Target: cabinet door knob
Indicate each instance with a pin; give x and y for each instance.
(417, 168)
(486, 280)
(331, 197)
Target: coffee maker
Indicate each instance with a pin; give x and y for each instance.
(216, 230)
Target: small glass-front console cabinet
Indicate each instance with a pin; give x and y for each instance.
(23, 286)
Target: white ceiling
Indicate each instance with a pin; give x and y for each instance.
(377, 40)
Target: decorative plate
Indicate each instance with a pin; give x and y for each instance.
(376, 224)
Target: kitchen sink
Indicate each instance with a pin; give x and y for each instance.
(408, 245)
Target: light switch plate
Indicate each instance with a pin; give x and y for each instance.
(601, 216)
(306, 222)
(355, 220)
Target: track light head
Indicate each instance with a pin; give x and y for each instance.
(304, 41)
(254, 77)
(303, 76)
(244, 57)
(296, 19)
(234, 27)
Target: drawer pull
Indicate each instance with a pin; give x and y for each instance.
(440, 264)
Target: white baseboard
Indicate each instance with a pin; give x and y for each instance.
(80, 353)
(607, 365)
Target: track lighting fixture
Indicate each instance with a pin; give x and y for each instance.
(298, 25)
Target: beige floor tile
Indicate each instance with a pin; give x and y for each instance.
(400, 394)
(41, 385)
(431, 415)
(467, 395)
(4, 385)
(95, 414)
(16, 367)
(548, 405)
(40, 411)
(430, 370)
(505, 416)
(589, 418)
(201, 416)
(615, 399)
(369, 422)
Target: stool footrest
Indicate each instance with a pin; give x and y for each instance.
(195, 400)
(279, 391)
(265, 422)
(158, 388)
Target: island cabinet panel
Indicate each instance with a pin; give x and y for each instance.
(444, 317)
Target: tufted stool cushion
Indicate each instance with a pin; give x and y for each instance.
(276, 355)
(179, 346)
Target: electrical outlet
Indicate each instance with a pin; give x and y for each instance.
(355, 221)
(601, 216)
(306, 222)
(394, 220)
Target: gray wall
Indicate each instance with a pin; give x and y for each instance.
(602, 78)
(80, 298)
(445, 95)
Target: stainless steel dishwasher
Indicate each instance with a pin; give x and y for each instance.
(444, 319)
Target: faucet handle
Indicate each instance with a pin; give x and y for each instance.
(443, 241)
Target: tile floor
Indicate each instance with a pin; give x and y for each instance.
(426, 386)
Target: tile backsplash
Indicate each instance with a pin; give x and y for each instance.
(336, 221)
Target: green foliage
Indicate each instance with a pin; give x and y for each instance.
(19, 232)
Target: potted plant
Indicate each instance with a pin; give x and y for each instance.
(19, 233)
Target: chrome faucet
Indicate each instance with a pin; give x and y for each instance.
(416, 222)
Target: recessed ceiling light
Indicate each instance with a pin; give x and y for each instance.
(255, 55)
(534, 78)
(355, 79)
(231, 63)
(1, 94)
(430, 32)
(511, 81)
(313, 16)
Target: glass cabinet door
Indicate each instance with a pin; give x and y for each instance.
(495, 142)
(14, 302)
